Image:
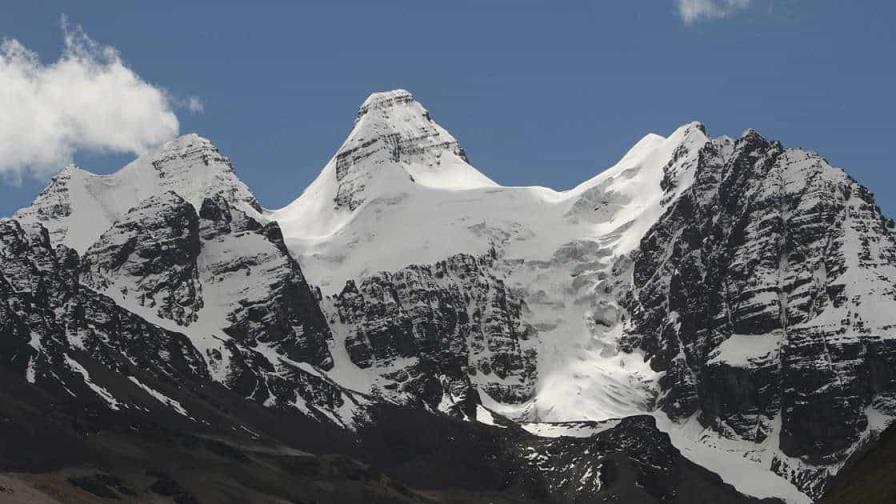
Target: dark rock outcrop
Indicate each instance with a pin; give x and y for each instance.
(270, 302)
(149, 256)
(759, 294)
(867, 478)
(441, 332)
(164, 255)
(632, 462)
(54, 328)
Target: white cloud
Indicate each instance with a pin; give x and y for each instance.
(86, 100)
(695, 10)
(195, 105)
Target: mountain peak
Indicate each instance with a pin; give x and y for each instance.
(187, 141)
(183, 152)
(695, 125)
(385, 99)
(77, 206)
(395, 147)
(393, 130)
(397, 115)
(188, 138)
(752, 135)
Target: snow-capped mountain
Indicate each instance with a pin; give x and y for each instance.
(731, 293)
(77, 206)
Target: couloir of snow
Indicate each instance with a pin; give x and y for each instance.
(104, 394)
(162, 398)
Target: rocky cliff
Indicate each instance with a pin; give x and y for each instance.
(441, 334)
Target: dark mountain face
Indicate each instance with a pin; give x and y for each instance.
(453, 323)
(734, 297)
(747, 294)
(867, 477)
(156, 244)
(51, 322)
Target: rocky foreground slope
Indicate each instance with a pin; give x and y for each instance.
(707, 305)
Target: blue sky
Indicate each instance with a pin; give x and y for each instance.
(537, 91)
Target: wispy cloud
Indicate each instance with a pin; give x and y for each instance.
(86, 100)
(195, 105)
(692, 11)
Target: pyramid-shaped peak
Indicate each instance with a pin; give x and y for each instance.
(186, 157)
(395, 140)
(394, 148)
(388, 112)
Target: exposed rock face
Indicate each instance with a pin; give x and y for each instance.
(439, 333)
(260, 286)
(760, 294)
(232, 276)
(150, 256)
(51, 322)
(165, 256)
(194, 168)
(56, 331)
(52, 204)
